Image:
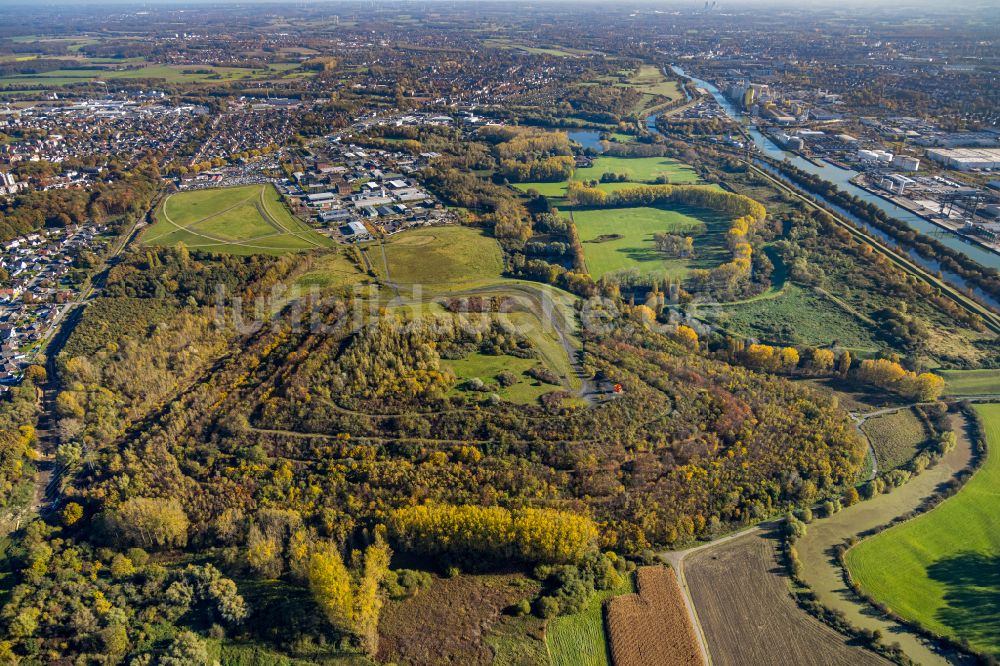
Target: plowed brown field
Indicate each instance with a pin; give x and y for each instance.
(652, 628)
(749, 617)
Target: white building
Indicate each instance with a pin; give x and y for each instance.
(906, 163)
(965, 159)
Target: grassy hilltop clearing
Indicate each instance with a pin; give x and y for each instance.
(236, 220)
(442, 257)
(940, 569)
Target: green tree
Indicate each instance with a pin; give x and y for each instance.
(187, 649)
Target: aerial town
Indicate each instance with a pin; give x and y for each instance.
(499, 334)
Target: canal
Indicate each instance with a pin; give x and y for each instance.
(842, 179)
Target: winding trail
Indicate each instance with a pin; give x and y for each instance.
(824, 575)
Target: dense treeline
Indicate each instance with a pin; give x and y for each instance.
(476, 533)
(545, 170)
(102, 605)
(890, 375)
(497, 206)
(194, 278)
(527, 155)
(18, 419)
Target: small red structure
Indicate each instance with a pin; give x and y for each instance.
(618, 388)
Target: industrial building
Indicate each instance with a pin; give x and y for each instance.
(906, 163)
(874, 156)
(965, 159)
(896, 183)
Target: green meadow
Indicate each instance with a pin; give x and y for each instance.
(616, 239)
(237, 220)
(942, 569)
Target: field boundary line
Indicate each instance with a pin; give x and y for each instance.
(191, 224)
(219, 241)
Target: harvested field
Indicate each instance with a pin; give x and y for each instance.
(897, 437)
(652, 628)
(749, 617)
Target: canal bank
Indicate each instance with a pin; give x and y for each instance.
(842, 179)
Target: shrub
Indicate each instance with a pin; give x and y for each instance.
(547, 607)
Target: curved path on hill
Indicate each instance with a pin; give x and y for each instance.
(536, 300)
(824, 575)
(258, 203)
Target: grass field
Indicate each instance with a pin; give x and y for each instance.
(971, 382)
(329, 271)
(170, 73)
(652, 83)
(580, 639)
(796, 316)
(238, 220)
(486, 368)
(897, 437)
(638, 170)
(635, 248)
(451, 256)
(942, 569)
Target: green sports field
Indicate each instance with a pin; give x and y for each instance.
(635, 247)
(237, 220)
(942, 569)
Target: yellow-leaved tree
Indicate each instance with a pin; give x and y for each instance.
(330, 584)
(368, 596)
(351, 603)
